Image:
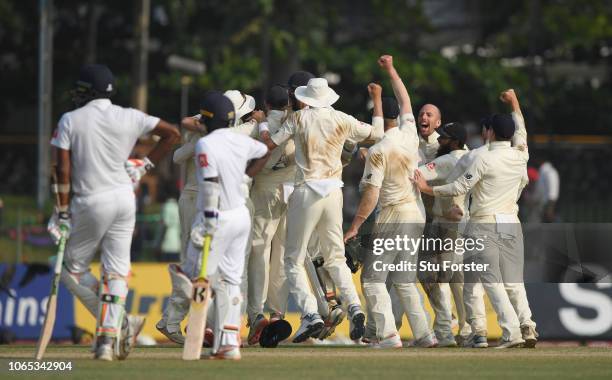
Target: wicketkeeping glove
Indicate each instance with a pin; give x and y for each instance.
(136, 168)
(59, 225)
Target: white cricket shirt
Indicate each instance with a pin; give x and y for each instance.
(391, 163)
(100, 137)
(319, 135)
(225, 154)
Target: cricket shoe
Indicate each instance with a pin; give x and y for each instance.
(311, 326)
(275, 316)
(428, 341)
(175, 336)
(369, 340)
(256, 328)
(515, 343)
(460, 339)
(209, 338)
(104, 348)
(357, 322)
(334, 318)
(131, 327)
(530, 336)
(447, 342)
(476, 341)
(226, 353)
(393, 341)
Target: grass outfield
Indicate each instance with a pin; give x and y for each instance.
(319, 363)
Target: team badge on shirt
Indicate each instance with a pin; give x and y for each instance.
(202, 160)
(468, 176)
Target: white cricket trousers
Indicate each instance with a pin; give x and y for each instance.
(399, 220)
(266, 274)
(227, 249)
(187, 212)
(504, 256)
(307, 212)
(104, 220)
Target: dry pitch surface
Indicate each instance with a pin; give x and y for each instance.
(319, 363)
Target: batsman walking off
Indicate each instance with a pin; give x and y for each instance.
(93, 144)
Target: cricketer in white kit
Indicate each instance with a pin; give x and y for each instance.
(319, 133)
(93, 143)
(221, 162)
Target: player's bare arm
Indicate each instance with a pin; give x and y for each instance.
(63, 170)
(367, 204)
(375, 91)
(193, 124)
(169, 136)
(399, 89)
(509, 97)
(255, 166)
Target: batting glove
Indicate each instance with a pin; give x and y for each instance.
(60, 224)
(205, 224)
(136, 168)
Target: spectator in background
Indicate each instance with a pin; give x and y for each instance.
(1, 212)
(531, 199)
(548, 189)
(171, 240)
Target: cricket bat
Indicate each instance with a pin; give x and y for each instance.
(192, 349)
(47, 327)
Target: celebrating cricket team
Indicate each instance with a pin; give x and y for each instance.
(261, 219)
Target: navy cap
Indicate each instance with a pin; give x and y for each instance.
(454, 131)
(217, 111)
(485, 122)
(503, 126)
(299, 78)
(390, 107)
(96, 77)
(277, 97)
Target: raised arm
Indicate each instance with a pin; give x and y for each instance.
(187, 150)
(519, 140)
(192, 124)
(375, 91)
(399, 89)
(169, 135)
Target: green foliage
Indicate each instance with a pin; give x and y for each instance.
(252, 45)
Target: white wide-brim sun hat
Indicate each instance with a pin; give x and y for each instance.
(316, 93)
(243, 103)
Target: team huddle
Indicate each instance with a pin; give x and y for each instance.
(261, 217)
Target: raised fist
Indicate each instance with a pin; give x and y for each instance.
(386, 62)
(258, 115)
(375, 90)
(507, 96)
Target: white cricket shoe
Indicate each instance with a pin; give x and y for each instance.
(394, 341)
(311, 326)
(530, 335)
(516, 343)
(476, 341)
(428, 341)
(132, 326)
(447, 342)
(226, 353)
(104, 349)
(175, 336)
